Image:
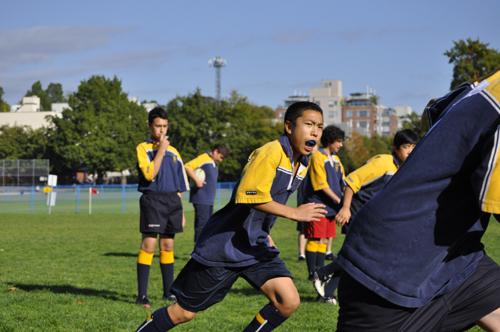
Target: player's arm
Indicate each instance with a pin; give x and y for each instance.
(199, 183)
(344, 214)
(305, 212)
(329, 192)
(150, 168)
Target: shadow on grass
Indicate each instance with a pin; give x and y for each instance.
(68, 289)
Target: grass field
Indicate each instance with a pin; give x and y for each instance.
(74, 272)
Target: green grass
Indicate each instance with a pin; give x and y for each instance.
(75, 272)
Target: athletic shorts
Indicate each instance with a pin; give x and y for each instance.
(460, 309)
(198, 286)
(323, 228)
(160, 213)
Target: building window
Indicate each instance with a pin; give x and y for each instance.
(363, 113)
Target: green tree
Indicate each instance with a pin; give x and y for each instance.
(22, 142)
(198, 122)
(472, 60)
(413, 121)
(55, 93)
(4, 107)
(100, 131)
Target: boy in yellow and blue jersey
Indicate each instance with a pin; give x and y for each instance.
(413, 259)
(324, 184)
(237, 242)
(202, 193)
(162, 179)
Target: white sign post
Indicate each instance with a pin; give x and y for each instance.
(51, 198)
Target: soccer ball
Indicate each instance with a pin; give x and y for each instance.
(200, 174)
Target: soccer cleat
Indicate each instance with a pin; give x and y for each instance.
(319, 284)
(144, 301)
(329, 256)
(302, 258)
(170, 298)
(328, 300)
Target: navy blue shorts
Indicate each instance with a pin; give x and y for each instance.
(198, 286)
(160, 213)
(363, 310)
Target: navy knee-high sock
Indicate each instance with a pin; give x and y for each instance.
(267, 319)
(158, 322)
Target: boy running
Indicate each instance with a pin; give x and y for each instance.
(238, 244)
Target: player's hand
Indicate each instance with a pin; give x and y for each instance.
(199, 183)
(163, 143)
(343, 216)
(310, 212)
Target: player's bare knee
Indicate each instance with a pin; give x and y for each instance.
(179, 315)
(287, 306)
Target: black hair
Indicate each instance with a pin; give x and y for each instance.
(222, 149)
(331, 134)
(157, 112)
(296, 110)
(405, 136)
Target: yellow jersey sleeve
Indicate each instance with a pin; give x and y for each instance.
(145, 165)
(258, 175)
(198, 161)
(317, 172)
(369, 172)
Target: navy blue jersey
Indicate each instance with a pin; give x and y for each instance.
(237, 235)
(206, 194)
(326, 171)
(170, 178)
(420, 237)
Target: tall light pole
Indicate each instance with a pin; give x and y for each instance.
(217, 62)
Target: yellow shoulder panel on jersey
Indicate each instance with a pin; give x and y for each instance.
(374, 168)
(317, 171)
(259, 173)
(199, 161)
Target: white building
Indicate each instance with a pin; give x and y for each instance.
(402, 112)
(29, 114)
(329, 97)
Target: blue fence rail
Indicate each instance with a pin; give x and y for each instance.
(78, 199)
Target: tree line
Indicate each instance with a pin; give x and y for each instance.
(102, 127)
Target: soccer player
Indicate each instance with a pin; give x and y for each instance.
(202, 194)
(162, 179)
(413, 258)
(237, 242)
(362, 185)
(324, 184)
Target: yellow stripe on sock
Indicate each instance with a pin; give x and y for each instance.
(145, 258)
(312, 246)
(167, 257)
(322, 248)
(259, 318)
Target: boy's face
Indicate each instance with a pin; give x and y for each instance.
(217, 156)
(159, 128)
(309, 126)
(336, 146)
(404, 151)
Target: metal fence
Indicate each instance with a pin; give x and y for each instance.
(88, 199)
(23, 172)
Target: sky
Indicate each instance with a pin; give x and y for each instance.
(160, 49)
